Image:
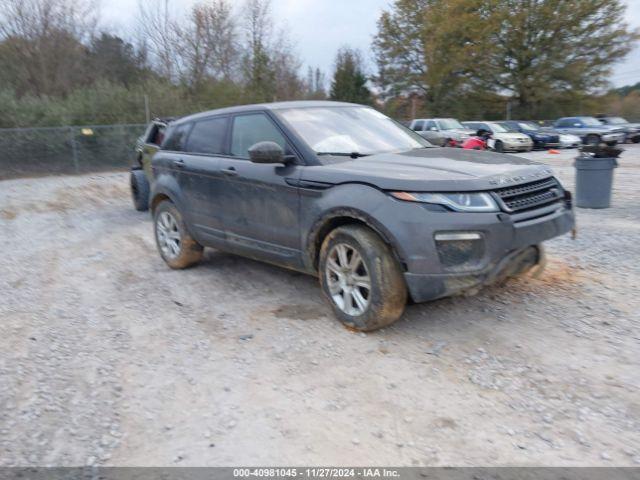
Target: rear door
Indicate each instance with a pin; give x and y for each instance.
(202, 180)
(261, 203)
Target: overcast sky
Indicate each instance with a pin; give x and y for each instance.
(319, 27)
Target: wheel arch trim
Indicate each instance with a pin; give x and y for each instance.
(337, 217)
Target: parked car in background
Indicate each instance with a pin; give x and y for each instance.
(141, 173)
(568, 140)
(504, 139)
(342, 192)
(590, 130)
(541, 138)
(444, 132)
(631, 130)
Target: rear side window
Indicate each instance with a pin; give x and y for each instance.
(176, 137)
(251, 129)
(157, 134)
(567, 122)
(207, 136)
(418, 126)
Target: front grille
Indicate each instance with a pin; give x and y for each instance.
(530, 195)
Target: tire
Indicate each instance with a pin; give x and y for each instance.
(499, 146)
(360, 307)
(636, 139)
(139, 190)
(176, 246)
(592, 139)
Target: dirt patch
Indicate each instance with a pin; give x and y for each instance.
(298, 312)
(8, 214)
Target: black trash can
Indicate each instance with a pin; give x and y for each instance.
(594, 178)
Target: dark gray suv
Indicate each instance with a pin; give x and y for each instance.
(343, 192)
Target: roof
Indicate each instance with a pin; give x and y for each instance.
(269, 106)
(431, 119)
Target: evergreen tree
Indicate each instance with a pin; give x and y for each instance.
(349, 82)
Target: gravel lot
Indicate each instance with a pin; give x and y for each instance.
(107, 357)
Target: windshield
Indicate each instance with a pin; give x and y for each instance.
(616, 121)
(347, 130)
(450, 124)
(528, 126)
(497, 128)
(591, 121)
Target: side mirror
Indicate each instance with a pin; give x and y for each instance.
(433, 129)
(266, 152)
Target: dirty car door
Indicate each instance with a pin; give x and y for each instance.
(261, 204)
(202, 183)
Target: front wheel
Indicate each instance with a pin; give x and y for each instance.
(361, 278)
(176, 246)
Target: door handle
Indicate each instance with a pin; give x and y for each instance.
(231, 171)
(179, 163)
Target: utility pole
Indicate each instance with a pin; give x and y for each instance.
(147, 113)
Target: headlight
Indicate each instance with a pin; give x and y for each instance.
(461, 202)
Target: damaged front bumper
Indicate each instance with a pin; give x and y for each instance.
(510, 248)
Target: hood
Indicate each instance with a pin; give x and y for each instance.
(546, 132)
(608, 128)
(430, 169)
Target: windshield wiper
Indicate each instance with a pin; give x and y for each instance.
(344, 154)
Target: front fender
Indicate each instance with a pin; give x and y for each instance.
(361, 202)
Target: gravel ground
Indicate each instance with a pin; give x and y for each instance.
(110, 358)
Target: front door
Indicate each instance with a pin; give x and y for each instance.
(261, 201)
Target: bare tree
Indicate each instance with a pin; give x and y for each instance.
(45, 42)
(270, 64)
(159, 32)
(208, 43)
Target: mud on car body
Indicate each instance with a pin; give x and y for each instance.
(141, 174)
(343, 192)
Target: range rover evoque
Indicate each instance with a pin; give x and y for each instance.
(343, 192)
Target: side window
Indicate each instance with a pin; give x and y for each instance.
(431, 124)
(251, 129)
(207, 136)
(418, 126)
(157, 134)
(176, 137)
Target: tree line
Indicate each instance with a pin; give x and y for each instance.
(463, 58)
(59, 67)
(489, 58)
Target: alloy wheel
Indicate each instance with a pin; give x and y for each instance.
(348, 279)
(168, 234)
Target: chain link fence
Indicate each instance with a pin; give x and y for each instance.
(64, 150)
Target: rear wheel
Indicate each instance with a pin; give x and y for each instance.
(499, 146)
(139, 190)
(176, 246)
(361, 278)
